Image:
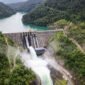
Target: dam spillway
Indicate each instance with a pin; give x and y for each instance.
(42, 37)
(37, 39)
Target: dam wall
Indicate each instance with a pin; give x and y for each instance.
(42, 37)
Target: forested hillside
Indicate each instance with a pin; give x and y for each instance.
(26, 6)
(74, 58)
(5, 11)
(53, 10)
(70, 45)
(10, 74)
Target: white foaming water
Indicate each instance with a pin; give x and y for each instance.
(38, 65)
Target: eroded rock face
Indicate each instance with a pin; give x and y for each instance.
(50, 57)
(55, 74)
(36, 82)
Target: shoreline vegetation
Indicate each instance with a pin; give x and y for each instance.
(51, 11)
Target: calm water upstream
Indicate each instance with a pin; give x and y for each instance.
(14, 24)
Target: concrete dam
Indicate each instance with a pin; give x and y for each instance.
(37, 39)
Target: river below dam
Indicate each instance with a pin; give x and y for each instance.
(14, 24)
(38, 65)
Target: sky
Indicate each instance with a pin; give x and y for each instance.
(11, 1)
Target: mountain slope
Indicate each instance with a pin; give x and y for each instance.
(26, 6)
(5, 11)
(53, 10)
(10, 74)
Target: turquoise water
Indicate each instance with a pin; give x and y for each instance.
(40, 28)
(14, 24)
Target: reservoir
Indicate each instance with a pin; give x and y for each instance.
(14, 24)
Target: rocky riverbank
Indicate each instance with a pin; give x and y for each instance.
(58, 73)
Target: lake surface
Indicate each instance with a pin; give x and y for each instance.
(14, 24)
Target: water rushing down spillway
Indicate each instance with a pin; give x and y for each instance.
(38, 65)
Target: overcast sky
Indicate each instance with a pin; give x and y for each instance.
(11, 1)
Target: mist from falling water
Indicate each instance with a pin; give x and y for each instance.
(38, 65)
(12, 53)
